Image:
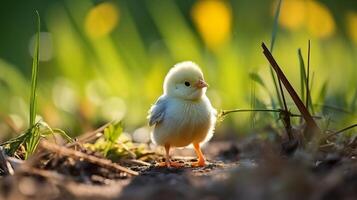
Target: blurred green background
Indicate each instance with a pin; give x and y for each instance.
(105, 60)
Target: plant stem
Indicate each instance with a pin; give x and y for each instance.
(340, 131)
(226, 112)
(312, 126)
(308, 77)
(34, 77)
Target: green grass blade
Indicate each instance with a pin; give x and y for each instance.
(33, 140)
(255, 77)
(63, 134)
(308, 94)
(309, 102)
(303, 79)
(275, 26)
(35, 64)
(272, 42)
(323, 92)
(50, 131)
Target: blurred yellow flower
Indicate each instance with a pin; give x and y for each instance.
(101, 19)
(292, 14)
(320, 22)
(213, 19)
(315, 16)
(351, 23)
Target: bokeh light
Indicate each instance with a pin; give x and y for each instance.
(351, 23)
(142, 135)
(64, 95)
(96, 91)
(101, 19)
(213, 19)
(18, 122)
(313, 15)
(113, 108)
(292, 14)
(320, 22)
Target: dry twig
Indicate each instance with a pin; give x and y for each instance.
(312, 126)
(80, 155)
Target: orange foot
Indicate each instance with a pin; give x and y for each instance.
(201, 159)
(199, 163)
(170, 164)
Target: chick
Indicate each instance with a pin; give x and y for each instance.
(183, 115)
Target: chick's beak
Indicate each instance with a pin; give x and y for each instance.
(201, 84)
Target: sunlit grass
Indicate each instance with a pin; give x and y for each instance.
(30, 138)
(34, 77)
(34, 131)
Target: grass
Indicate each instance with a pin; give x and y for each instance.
(34, 77)
(302, 75)
(34, 130)
(303, 103)
(31, 137)
(284, 113)
(298, 102)
(305, 86)
(272, 42)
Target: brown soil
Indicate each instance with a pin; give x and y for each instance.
(252, 169)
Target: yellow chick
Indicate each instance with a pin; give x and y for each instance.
(183, 115)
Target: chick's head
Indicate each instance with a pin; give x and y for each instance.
(185, 80)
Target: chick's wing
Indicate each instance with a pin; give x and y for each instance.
(157, 111)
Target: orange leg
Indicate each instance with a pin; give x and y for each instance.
(167, 162)
(201, 159)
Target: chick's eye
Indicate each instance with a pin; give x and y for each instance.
(187, 83)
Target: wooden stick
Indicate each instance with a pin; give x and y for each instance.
(80, 155)
(300, 105)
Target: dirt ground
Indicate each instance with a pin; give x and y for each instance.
(250, 169)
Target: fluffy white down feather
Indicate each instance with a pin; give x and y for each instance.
(183, 114)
